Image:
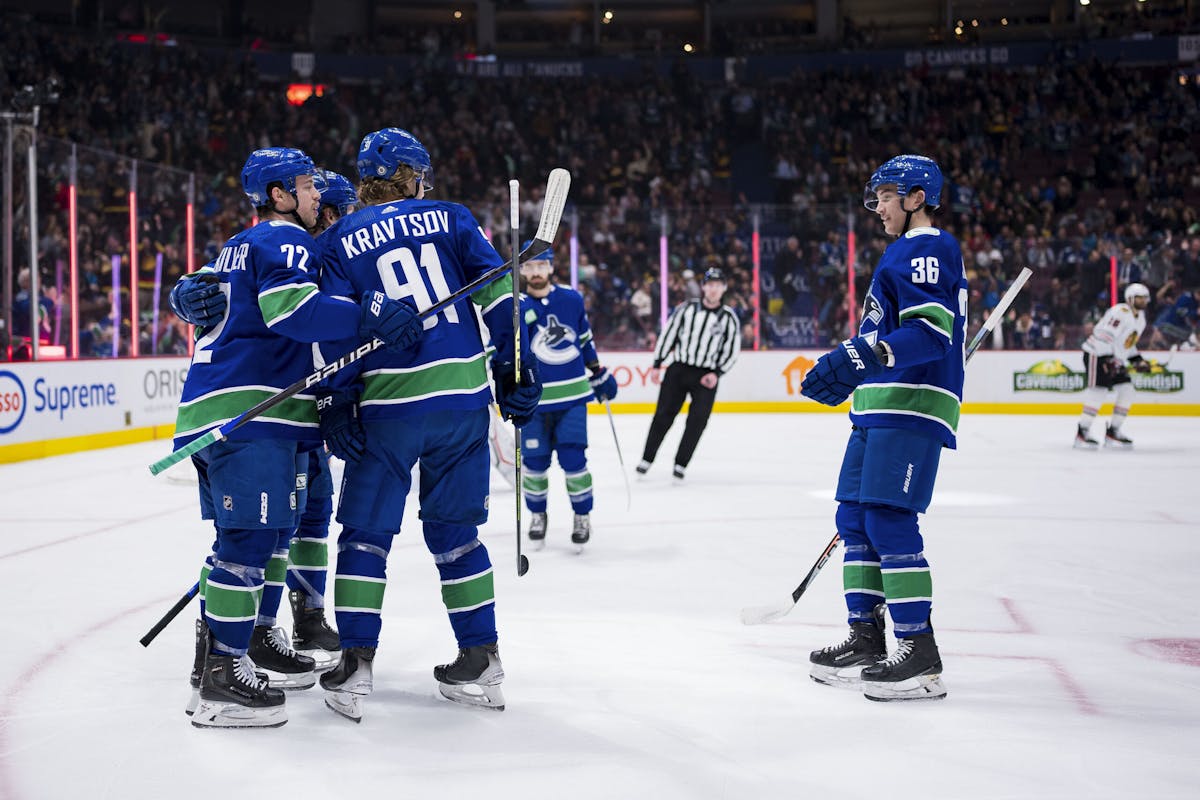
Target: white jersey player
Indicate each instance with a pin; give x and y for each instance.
(1108, 355)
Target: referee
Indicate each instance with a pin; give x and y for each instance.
(704, 337)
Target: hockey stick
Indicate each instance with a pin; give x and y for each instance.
(760, 614)
(999, 311)
(514, 219)
(171, 614)
(556, 191)
(620, 460)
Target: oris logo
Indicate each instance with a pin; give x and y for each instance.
(12, 401)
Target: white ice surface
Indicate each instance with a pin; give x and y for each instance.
(1057, 575)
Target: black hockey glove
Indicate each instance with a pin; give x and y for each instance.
(837, 373)
(197, 299)
(341, 428)
(1139, 364)
(393, 322)
(517, 402)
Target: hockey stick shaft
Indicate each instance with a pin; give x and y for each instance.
(620, 459)
(999, 311)
(171, 614)
(514, 215)
(556, 190)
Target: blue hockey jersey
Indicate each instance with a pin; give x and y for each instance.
(561, 341)
(422, 250)
(264, 343)
(917, 303)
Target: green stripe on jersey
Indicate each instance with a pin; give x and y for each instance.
(353, 593)
(223, 405)
(559, 391)
(449, 376)
(860, 577)
(902, 586)
(305, 554)
(282, 301)
(935, 314)
(468, 593)
(907, 398)
(489, 294)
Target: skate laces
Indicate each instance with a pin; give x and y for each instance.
(244, 670)
(279, 642)
(903, 648)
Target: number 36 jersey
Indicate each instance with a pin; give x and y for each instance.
(917, 304)
(420, 251)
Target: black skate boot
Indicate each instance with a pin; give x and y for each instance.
(643, 467)
(311, 634)
(582, 531)
(1114, 438)
(840, 664)
(232, 696)
(348, 684)
(285, 668)
(197, 665)
(678, 473)
(537, 529)
(479, 667)
(913, 672)
(1083, 440)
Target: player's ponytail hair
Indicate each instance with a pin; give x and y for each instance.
(373, 191)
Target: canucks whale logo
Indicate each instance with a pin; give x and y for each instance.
(554, 343)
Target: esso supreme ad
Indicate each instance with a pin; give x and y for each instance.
(12, 401)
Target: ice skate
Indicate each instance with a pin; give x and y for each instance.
(678, 473)
(1116, 439)
(311, 634)
(202, 644)
(232, 696)
(474, 678)
(349, 683)
(582, 531)
(285, 668)
(643, 467)
(840, 664)
(913, 672)
(537, 529)
(1083, 441)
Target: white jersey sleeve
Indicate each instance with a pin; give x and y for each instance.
(1117, 333)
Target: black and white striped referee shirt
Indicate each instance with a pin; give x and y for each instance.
(701, 337)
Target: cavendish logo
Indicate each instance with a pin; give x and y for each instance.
(554, 343)
(12, 401)
(1051, 375)
(1159, 379)
(795, 371)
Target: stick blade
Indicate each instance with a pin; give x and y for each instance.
(760, 615)
(557, 187)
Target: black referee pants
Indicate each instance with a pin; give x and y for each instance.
(679, 381)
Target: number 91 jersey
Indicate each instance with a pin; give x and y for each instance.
(420, 251)
(917, 303)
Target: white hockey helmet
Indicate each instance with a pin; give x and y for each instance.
(1136, 290)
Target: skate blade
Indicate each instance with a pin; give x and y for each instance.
(922, 687)
(289, 681)
(579, 549)
(1086, 445)
(192, 703)
(1110, 445)
(215, 714)
(837, 677)
(346, 704)
(326, 659)
(489, 697)
(537, 544)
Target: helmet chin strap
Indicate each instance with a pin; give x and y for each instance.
(908, 214)
(294, 213)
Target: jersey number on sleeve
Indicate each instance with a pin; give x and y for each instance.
(412, 283)
(925, 269)
(202, 355)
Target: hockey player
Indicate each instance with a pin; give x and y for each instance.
(427, 405)
(905, 372)
(1108, 355)
(248, 482)
(571, 374)
(197, 299)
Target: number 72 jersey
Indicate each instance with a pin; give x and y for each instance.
(917, 303)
